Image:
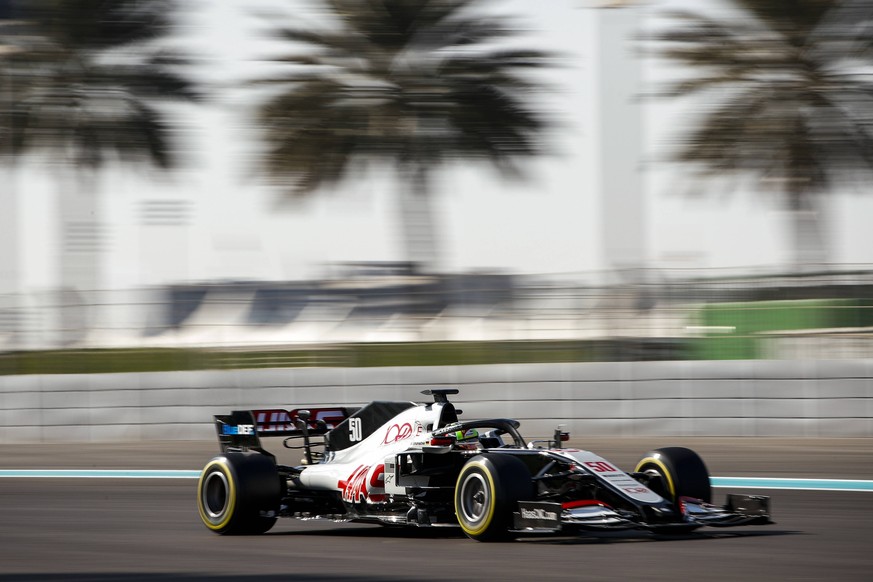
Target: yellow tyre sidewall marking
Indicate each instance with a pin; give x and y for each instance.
(666, 472)
(221, 464)
(487, 521)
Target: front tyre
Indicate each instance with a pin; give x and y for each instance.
(675, 472)
(239, 493)
(488, 490)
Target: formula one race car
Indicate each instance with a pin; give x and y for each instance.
(403, 463)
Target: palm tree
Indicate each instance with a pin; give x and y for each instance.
(413, 83)
(794, 100)
(86, 81)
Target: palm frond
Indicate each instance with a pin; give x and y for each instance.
(344, 42)
(97, 24)
(783, 83)
(796, 19)
(848, 30)
(150, 80)
(83, 91)
(406, 82)
(453, 32)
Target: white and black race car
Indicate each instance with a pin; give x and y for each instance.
(403, 463)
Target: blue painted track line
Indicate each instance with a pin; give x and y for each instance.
(719, 482)
(100, 473)
(789, 483)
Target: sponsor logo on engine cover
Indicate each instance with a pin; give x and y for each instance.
(397, 432)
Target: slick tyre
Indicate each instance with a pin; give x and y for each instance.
(675, 472)
(487, 492)
(239, 493)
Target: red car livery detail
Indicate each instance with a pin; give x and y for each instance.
(358, 488)
(279, 421)
(397, 432)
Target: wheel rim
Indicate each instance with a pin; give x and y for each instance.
(215, 495)
(659, 472)
(475, 498)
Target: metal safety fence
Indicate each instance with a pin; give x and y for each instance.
(645, 315)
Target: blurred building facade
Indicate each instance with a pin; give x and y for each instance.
(176, 250)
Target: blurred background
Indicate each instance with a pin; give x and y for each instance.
(341, 183)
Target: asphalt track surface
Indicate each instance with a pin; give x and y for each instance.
(127, 529)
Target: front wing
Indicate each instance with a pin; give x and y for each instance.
(547, 517)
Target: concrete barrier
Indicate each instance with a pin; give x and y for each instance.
(689, 398)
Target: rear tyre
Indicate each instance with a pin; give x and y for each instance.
(487, 492)
(675, 472)
(239, 493)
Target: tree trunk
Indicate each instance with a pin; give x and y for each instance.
(417, 221)
(80, 241)
(808, 234)
(10, 266)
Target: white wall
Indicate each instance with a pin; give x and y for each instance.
(730, 398)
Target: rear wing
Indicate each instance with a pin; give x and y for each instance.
(243, 428)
